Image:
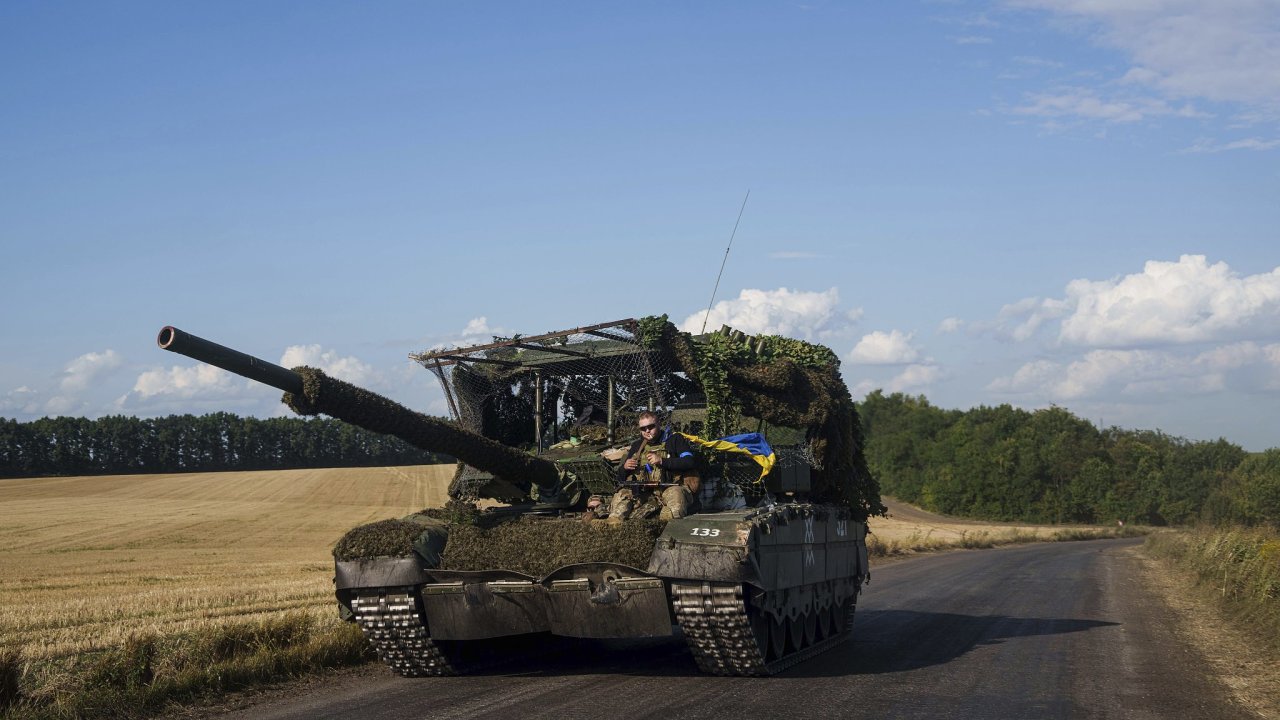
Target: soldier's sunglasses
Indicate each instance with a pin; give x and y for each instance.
(647, 428)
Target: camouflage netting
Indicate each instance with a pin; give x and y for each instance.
(785, 382)
(371, 411)
(392, 538)
(536, 547)
(533, 546)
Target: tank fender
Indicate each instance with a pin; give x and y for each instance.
(379, 572)
(775, 547)
(707, 546)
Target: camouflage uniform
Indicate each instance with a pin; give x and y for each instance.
(676, 464)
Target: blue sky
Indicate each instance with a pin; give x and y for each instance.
(1039, 202)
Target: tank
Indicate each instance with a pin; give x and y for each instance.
(765, 572)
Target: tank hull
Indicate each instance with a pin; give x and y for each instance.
(753, 591)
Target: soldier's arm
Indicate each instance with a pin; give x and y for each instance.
(679, 454)
(620, 476)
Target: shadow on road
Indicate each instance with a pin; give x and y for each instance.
(896, 640)
(883, 642)
(556, 656)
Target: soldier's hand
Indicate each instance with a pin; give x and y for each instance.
(653, 459)
(631, 463)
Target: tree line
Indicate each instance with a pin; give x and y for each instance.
(999, 463)
(1047, 466)
(193, 443)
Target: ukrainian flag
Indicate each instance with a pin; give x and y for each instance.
(752, 444)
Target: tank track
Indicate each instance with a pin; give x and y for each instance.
(392, 622)
(717, 622)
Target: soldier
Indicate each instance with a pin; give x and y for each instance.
(663, 465)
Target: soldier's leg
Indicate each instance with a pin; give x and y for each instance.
(624, 501)
(675, 503)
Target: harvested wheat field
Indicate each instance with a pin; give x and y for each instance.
(910, 529)
(88, 561)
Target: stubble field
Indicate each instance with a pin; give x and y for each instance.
(88, 561)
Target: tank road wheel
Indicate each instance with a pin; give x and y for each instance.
(809, 626)
(825, 623)
(761, 630)
(777, 638)
(844, 615)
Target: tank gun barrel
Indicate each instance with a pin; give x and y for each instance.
(197, 348)
(309, 391)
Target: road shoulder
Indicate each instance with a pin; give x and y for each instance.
(1251, 674)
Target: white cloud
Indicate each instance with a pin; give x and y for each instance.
(1220, 50)
(78, 378)
(1085, 103)
(914, 377)
(861, 389)
(21, 400)
(1098, 373)
(1030, 377)
(794, 313)
(80, 373)
(477, 326)
(1211, 146)
(1168, 302)
(205, 388)
(1187, 301)
(477, 332)
(1246, 365)
(185, 382)
(1229, 357)
(1146, 374)
(1021, 320)
(1175, 54)
(350, 369)
(1144, 334)
(200, 388)
(881, 348)
(950, 325)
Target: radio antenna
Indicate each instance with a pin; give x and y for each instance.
(725, 260)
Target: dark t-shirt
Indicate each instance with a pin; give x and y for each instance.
(680, 455)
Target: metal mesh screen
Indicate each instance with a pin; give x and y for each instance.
(573, 393)
(566, 391)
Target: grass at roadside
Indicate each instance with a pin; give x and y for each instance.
(1239, 568)
(151, 671)
(922, 542)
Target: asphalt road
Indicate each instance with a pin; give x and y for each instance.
(1059, 630)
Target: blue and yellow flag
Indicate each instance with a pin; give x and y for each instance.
(752, 444)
